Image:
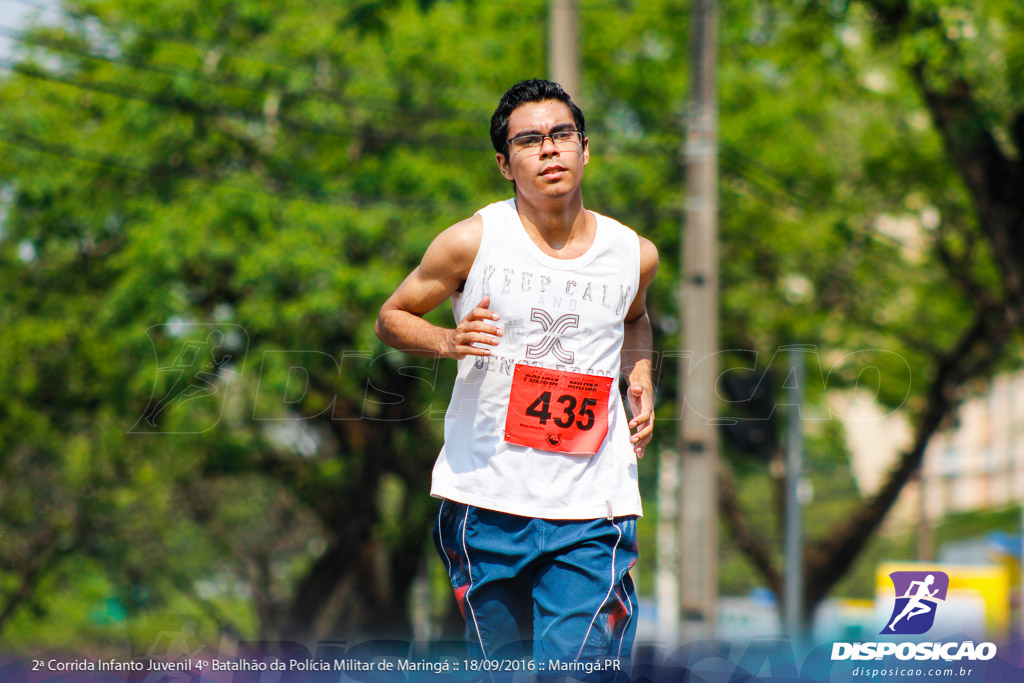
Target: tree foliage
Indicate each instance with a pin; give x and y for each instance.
(267, 174)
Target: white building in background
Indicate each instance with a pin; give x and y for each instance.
(980, 462)
(976, 463)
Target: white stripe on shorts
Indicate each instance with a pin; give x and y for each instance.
(611, 588)
(469, 564)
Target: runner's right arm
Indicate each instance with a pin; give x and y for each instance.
(441, 273)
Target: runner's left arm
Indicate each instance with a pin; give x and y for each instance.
(636, 354)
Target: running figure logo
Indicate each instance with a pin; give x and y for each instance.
(207, 357)
(918, 595)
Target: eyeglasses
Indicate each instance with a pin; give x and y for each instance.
(560, 138)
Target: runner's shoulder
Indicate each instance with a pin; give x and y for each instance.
(648, 260)
(457, 245)
(647, 250)
(455, 249)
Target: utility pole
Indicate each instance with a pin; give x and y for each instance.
(698, 298)
(564, 46)
(666, 580)
(794, 586)
(925, 543)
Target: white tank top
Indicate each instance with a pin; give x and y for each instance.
(582, 303)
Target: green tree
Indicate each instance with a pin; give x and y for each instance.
(271, 173)
(895, 184)
(268, 173)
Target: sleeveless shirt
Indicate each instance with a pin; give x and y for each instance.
(562, 314)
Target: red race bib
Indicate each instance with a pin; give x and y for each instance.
(559, 411)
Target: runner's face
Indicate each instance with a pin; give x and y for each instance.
(551, 170)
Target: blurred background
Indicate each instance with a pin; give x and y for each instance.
(203, 206)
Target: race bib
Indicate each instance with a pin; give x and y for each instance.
(559, 411)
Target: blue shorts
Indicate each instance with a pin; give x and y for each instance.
(562, 585)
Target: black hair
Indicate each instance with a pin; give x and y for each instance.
(533, 90)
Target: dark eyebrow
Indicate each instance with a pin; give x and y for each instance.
(554, 129)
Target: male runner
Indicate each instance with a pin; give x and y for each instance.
(538, 474)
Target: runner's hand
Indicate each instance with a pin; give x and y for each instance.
(641, 405)
(474, 329)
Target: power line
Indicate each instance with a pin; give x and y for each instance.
(190, 41)
(20, 139)
(190, 106)
(740, 162)
(232, 82)
(311, 93)
(446, 114)
(741, 169)
(416, 115)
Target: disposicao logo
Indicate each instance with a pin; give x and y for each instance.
(918, 595)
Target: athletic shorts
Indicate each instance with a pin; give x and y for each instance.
(550, 589)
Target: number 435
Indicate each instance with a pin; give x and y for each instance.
(541, 409)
